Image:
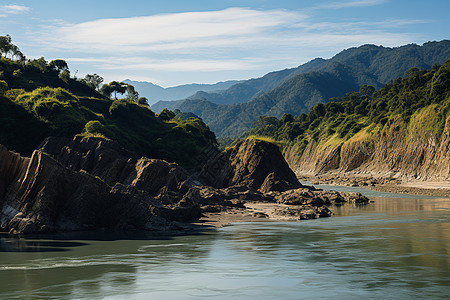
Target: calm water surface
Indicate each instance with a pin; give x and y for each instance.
(395, 248)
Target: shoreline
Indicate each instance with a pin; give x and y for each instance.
(253, 212)
(266, 212)
(381, 184)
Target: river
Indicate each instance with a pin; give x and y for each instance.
(395, 248)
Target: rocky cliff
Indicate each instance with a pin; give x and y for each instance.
(253, 163)
(93, 183)
(396, 152)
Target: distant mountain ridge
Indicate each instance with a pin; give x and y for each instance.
(155, 93)
(296, 90)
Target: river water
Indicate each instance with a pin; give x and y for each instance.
(395, 248)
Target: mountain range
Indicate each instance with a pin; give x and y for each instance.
(155, 93)
(233, 111)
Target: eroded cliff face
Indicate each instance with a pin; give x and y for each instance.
(395, 152)
(90, 184)
(93, 183)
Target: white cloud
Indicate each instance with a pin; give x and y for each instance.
(347, 4)
(234, 39)
(166, 29)
(6, 10)
(183, 65)
(211, 33)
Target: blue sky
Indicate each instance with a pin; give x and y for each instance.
(176, 42)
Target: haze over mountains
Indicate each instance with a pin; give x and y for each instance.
(155, 93)
(232, 112)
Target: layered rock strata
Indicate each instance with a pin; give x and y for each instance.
(93, 183)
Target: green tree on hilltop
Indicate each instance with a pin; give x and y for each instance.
(114, 87)
(7, 47)
(93, 81)
(132, 94)
(58, 66)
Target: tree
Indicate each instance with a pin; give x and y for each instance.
(16, 53)
(93, 81)
(367, 91)
(286, 118)
(5, 44)
(132, 94)
(65, 76)
(114, 86)
(40, 64)
(143, 101)
(7, 47)
(58, 66)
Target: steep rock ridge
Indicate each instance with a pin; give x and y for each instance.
(113, 164)
(47, 196)
(93, 183)
(252, 163)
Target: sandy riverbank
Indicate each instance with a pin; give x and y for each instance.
(381, 183)
(426, 189)
(253, 212)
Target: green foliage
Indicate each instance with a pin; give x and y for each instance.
(421, 101)
(113, 87)
(94, 127)
(26, 118)
(37, 73)
(132, 94)
(166, 115)
(58, 66)
(65, 76)
(7, 47)
(93, 81)
(3, 87)
(38, 100)
(143, 101)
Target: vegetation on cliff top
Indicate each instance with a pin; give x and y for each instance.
(417, 104)
(37, 100)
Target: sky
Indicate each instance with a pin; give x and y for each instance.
(205, 41)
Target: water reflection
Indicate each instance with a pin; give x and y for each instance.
(393, 248)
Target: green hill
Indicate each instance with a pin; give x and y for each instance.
(36, 102)
(404, 125)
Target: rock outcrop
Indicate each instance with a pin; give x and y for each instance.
(254, 163)
(396, 153)
(93, 183)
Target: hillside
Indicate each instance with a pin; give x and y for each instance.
(295, 91)
(155, 93)
(37, 102)
(401, 130)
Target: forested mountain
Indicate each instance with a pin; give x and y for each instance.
(402, 128)
(295, 91)
(155, 93)
(39, 99)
